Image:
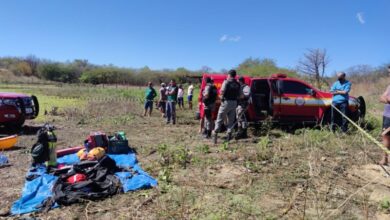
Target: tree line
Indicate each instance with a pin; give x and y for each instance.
(311, 67)
(82, 71)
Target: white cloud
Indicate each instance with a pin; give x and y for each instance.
(223, 38)
(360, 18)
(226, 38)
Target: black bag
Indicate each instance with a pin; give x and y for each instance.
(40, 152)
(101, 183)
(118, 147)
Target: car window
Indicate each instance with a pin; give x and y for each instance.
(292, 87)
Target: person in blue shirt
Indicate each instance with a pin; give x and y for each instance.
(150, 94)
(340, 90)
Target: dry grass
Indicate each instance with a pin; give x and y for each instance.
(273, 175)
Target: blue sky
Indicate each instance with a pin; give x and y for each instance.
(195, 33)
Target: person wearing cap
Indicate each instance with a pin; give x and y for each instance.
(230, 92)
(386, 144)
(150, 94)
(385, 98)
(163, 99)
(171, 102)
(209, 96)
(340, 90)
(242, 107)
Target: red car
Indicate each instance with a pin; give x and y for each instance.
(15, 108)
(286, 100)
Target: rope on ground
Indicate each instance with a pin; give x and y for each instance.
(370, 137)
(362, 130)
(349, 198)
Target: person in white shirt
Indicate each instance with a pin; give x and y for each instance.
(189, 95)
(180, 97)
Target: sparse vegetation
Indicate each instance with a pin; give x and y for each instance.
(275, 174)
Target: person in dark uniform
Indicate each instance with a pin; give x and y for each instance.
(242, 107)
(230, 92)
(210, 94)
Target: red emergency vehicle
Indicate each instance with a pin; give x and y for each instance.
(286, 100)
(15, 108)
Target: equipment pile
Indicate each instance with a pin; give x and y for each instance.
(103, 167)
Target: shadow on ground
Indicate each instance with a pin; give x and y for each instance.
(25, 130)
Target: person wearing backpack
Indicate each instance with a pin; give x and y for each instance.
(230, 92)
(242, 107)
(210, 94)
(150, 94)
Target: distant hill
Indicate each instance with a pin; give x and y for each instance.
(6, 76)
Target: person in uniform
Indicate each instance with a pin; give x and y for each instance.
(209, 97)
(242, 108)
(230, 92)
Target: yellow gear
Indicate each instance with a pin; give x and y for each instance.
(80, 153)
(96, 153)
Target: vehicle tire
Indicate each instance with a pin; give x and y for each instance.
(362, 108)
(36, 105)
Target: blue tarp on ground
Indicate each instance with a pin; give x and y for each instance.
(3, 160)
(38, 190)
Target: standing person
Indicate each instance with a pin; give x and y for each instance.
(180, 97)
(190, 93)
(150, 94)
(162, 102)
(171, 102)
(385, 98)
(242, 107)
(340, 90)
(209, 97)
(230, 92)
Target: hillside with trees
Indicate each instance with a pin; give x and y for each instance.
(34, 69)
(82, 71)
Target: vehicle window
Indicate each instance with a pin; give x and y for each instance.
(292, 87)
(260, 86)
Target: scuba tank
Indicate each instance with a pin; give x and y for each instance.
(52, 145)
(44, 150)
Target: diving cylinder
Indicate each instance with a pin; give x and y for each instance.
(52, 143)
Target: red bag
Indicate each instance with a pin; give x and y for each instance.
(97, 139)
(78, 177)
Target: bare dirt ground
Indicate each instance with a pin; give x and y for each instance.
(305, 173)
